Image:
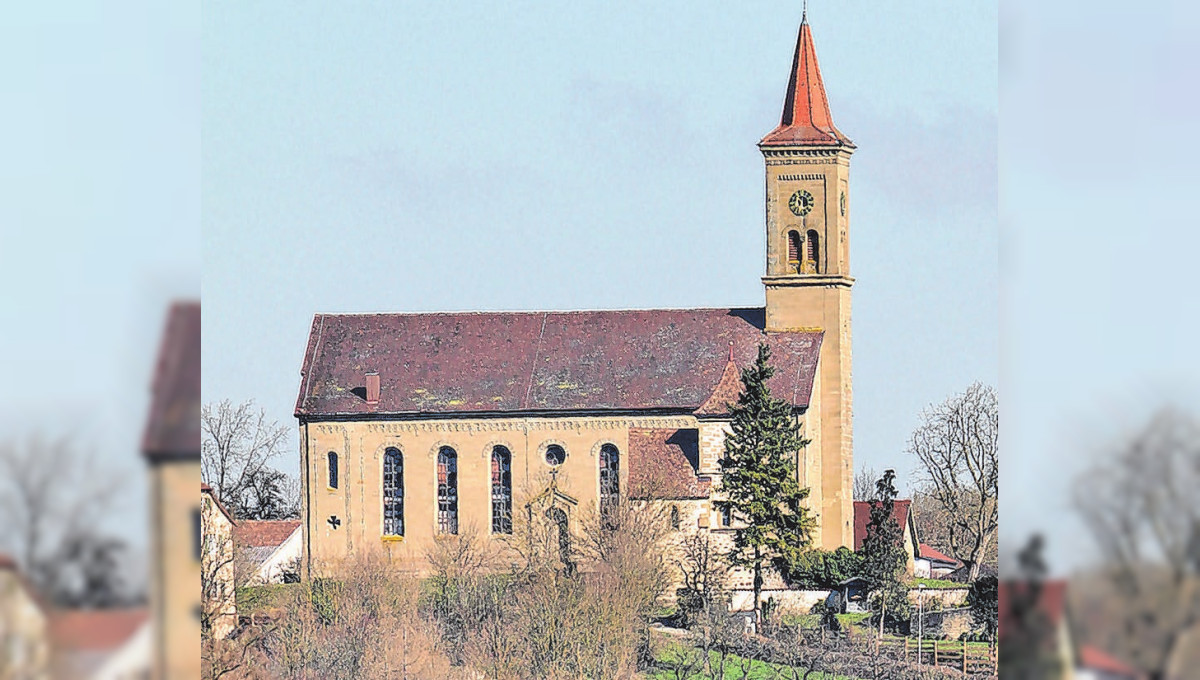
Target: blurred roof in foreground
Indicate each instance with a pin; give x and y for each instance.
(173, 428)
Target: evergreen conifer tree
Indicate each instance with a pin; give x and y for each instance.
(773, 526)
(883, 551)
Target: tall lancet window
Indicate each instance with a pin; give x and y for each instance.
(610, 478)
(501, 490)
(812, 253)
(393, 493)
(447, 490)
(794, 246)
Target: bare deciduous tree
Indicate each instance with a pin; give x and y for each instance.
(1141, 502)
(958, 446)
(53, 500)
(238, 444)
(864, 484)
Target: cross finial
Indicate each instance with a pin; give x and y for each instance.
(804, 16)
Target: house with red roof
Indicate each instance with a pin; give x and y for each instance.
(902, 513)
(415, 425)
(102, 644)
(1096, 664)
(269, 550)
(1034, 624)
(932, 563)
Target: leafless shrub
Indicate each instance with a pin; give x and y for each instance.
(366, 624)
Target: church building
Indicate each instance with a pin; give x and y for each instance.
(415, 425)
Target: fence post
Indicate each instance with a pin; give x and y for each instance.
(964, 668)
(935, 653)
(906, 650)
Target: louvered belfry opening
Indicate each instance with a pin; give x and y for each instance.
(793, 244)
(812, 252)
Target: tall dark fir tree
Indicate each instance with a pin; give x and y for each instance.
(883, 551)
(772, 524)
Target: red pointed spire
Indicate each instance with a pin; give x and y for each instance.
(806, 118)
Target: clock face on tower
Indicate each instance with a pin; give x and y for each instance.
(800, 203)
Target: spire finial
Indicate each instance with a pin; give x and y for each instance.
(731, 350)
(804, 15)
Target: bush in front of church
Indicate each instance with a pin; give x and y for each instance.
(822, 569)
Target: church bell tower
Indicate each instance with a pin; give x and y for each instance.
(808, 272)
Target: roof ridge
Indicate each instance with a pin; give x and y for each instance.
(534, 312)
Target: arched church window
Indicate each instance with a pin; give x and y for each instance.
(447, 490)
(812, 253)
(393, 493)
(794, 246)
(558, 517)
(331, 459)
(501, 490)
(674, 516)
(610, 478)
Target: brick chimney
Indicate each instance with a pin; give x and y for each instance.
(372, 389)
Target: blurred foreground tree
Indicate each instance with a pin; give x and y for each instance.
(238, 443)
(1141, 503)
(54, 500)
(958, 445)
(1030, 648)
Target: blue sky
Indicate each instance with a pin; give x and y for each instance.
(483, 156)
(1099, 242)
(604, 153)
(99, 220)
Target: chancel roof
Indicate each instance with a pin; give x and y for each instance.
(509, 362)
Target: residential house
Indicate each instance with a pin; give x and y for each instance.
(217, 582)
(1096, 664)
(902, 513)
(269, 551)
(102, 644)
(24, 641)
(931, 563)
(1035, 628)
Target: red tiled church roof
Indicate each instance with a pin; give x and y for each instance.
(726, 393)
(263, 533)
(173, 428)
(663, 462)
(505, 362)
(806, 118)
(862, 518)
